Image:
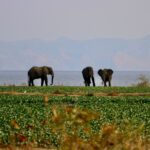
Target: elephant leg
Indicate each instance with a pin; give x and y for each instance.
(85, 81)
(109, 83)
(105, 83)
(46, 81)
(29, 83)
(88, 81)
(87, 84)
(93, 81)
(32, 83)
(42, 81)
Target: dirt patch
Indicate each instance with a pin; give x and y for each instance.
(74, 94)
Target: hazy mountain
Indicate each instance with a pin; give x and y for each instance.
(68, 54)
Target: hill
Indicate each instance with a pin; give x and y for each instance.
(68, 54)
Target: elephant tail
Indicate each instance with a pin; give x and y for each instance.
(28, 80)
(93, 80)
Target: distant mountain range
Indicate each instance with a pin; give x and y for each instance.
(68, 54)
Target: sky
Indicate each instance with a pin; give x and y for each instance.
(77, 20)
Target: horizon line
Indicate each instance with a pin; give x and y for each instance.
(69, 38)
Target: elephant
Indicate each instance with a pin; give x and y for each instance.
(106, 75)
(40, 72)
(88, 74)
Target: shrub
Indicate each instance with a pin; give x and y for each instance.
(143, 81)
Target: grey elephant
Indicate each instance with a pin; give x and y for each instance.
(40, 72)
(106, 75)
(88, 74)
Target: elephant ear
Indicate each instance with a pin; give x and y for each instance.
(110, 71)
(100, 72)
(45, 70)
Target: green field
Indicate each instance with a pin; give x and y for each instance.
(73, 89)
(54, 117)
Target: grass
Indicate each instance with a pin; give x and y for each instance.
(73, 89)
(74, 122)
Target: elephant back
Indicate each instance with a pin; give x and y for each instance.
(88, 71)
(35, 72)
(105, 72)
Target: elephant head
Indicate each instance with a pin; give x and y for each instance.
(106, 75)
(40, 72)
(48, 71)
(88, 74)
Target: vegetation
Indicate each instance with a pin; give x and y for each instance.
(143, 81)
(83, 121)
(73, 89)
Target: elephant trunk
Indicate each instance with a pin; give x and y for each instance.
(52, 79)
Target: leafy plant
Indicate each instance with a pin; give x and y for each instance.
(68, 122)
(143, 81)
